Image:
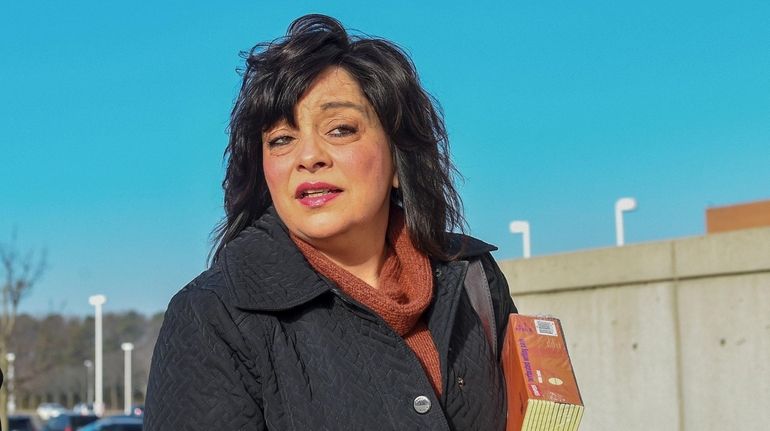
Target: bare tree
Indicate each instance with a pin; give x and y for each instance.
(21, 271)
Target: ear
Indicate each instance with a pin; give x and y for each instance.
(395, 180)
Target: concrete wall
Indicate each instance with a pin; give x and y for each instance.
(664, 336)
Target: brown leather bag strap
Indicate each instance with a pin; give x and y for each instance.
(477, 288)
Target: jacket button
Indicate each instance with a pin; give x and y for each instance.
(421, 404)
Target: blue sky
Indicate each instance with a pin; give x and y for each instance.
(113, 117)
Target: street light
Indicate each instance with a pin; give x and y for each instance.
(127, 348)
(522, 227)
(89, 386)
(97, 301)
(11, 397)
(622, 205)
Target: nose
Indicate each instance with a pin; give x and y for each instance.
(312, 154)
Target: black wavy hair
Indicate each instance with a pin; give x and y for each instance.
(276, 76)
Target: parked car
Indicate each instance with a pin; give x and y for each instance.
(69, 422)
(84, 408)
(137, 410)
(47, 411)
(21, 423)
(115, 423)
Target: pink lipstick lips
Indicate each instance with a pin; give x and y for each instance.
(315, 195)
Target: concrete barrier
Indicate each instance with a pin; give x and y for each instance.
(670, 335)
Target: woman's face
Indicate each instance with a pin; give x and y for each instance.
(330, 176)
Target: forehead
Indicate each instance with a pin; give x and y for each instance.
(334, 88)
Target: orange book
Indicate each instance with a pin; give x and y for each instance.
(542, 392)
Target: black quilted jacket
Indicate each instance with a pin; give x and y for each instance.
(260, 341)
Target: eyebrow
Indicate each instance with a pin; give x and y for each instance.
(334, 105)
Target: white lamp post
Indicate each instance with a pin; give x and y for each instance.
(522, 227)
(622, 205)
(127, 348)
(89, 386)
(11, 397)
(97, 301)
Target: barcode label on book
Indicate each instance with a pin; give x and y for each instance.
(545, 327)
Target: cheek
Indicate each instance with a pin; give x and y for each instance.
(373, 166)
(274, 173)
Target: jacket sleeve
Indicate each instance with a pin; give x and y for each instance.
(197, 379)
(501, 296)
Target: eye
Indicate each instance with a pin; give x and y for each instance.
(342, 131)
(279, 141)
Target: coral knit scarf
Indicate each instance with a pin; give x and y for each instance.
(405, 291)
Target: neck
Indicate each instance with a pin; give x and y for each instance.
(362, 258)
(364, 261)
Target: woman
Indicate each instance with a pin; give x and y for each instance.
(335, 299)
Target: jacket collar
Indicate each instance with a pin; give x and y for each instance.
(464, 247)
(266, 272)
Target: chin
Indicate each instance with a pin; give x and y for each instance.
(314, 230)
(332, 225)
